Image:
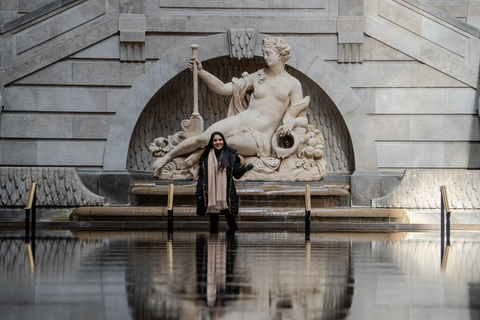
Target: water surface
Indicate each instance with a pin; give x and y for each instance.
(195, 275)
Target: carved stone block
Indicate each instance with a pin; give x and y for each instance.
(350, 52)
(132, 51)
(55, 187)
(242, 43)
(132, 37)
(420, 189)
(350, 39)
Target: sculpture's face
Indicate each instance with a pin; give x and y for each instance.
(271, 56)
(217, 142)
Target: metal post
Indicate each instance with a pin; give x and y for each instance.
(445, 207)
(30, 207)
(170, 256)
(34, 222)
(308, 208)
(448, 228)
(442, 227)
(27, 225)
(170, 208)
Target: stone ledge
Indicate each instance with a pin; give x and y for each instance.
(257, 189)
(112, 213)
(245, 191)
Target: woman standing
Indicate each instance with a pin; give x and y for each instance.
(216, 193)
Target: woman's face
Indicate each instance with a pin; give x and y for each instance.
(271, 56)
(217, 142)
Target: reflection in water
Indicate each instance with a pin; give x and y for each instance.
(217, 284)
(421, 258)
(246, 276)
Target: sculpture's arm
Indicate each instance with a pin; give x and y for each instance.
(295, 116)
(296, 95)
(300, 121)
(217, 85)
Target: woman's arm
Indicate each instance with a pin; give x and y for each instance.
(238, 171)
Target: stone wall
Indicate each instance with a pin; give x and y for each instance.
(60, 114)
(68, 65)
(464, 10)
(423, 100)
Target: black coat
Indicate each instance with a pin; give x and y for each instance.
(202, 185)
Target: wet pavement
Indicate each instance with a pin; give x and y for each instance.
(249, 275)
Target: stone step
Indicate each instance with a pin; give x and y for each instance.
(259, 195)
(145, 213)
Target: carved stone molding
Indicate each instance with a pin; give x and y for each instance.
(55, 187)
(350, 52)
(350, 39)
(132, 51)
(420, 189)
(132, 37)
(242, 43)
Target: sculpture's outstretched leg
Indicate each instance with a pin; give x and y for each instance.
(193, 158)
(186, 146)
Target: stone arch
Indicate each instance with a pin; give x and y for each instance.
(307, 62)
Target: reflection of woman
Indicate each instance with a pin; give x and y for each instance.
(216, 193)
(250, 131)
(217, 282)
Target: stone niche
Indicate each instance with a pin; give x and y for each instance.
(174, 102)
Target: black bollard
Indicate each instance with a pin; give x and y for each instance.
(170, 221)
(442, 229)
(30, 207)
(27, 225)
(170, 209)
(34, 222)
(307, 225)
(308, 208)
(448, 228)
(444, 208)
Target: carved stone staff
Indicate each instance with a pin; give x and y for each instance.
(195, 81)
(194, 125)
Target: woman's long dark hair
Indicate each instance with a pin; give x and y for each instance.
(223, 157)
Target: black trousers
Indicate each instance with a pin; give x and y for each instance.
(232, 223)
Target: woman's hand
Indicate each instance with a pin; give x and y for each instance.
(192, 61)
(248, 167)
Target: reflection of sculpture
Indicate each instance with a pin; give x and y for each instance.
(266, 104)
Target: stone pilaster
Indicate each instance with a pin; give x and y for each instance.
(350, 28)
(132, 29)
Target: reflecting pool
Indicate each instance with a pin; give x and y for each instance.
(197, 275)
